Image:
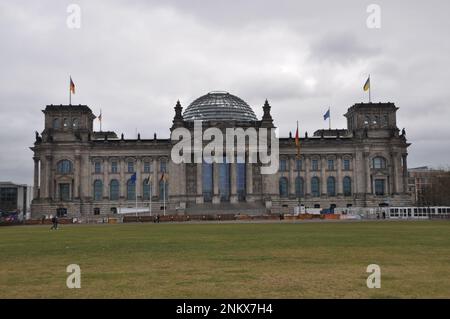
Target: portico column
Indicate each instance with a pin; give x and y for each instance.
(216, 196)
(155, 180)
(405, 172)
(233, 181)
(105, 178)
(139, 178)
(323, 180)
(43, 179)
(291, 176)
(394, 173)
(85, 177)
(76, 177)
(367, 171)
(199, 192)
(36, 178)
(307, 177)
(123, 183)
(249, 181)
(49, 172)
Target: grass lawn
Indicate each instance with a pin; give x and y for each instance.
(246, 260)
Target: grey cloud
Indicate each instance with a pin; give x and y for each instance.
(342, 48)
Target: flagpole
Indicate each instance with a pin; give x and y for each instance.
(370, 88)
(298, 169)
(329, 117)
(70, 92)
(150, 196)
(101, 118)
(135, 193)
(164, 195)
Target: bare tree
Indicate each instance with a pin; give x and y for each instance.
(437, 193)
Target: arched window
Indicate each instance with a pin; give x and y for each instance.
(56, 123)
(131, 190)
(379, 162)
(75, 123)
(64, 167)
(331, 186)
(66, 123)
(299, 187)
(114, 190)
(284, 191)
(98, 189)
(347, 186)
(163, 190)
(146, 190)
(315, 186)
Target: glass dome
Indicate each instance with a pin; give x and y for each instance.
(219, 106)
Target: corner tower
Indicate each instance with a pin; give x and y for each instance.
(67, 123)
(372, 120)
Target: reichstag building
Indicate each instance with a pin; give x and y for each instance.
(82, 172)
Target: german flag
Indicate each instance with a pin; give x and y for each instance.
(367, 84)
(72, 86)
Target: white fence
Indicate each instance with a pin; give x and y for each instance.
(394, 212)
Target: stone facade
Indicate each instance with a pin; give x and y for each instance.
(81, 172)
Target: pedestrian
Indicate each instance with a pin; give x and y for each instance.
(55, 223)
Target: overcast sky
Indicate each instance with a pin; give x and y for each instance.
(135, 59)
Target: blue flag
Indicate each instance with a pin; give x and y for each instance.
(326, 115)
(133, 178)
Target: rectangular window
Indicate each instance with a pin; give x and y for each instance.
(114, 167)
(315, 165)
(147, 167)
(130, 167)
(64, 192)
(346, 164)
(163, 166)
(97, 167)
(330, 165)
(379, 187)
(283, 165)
(298, 165)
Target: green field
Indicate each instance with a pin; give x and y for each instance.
(228, 260)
